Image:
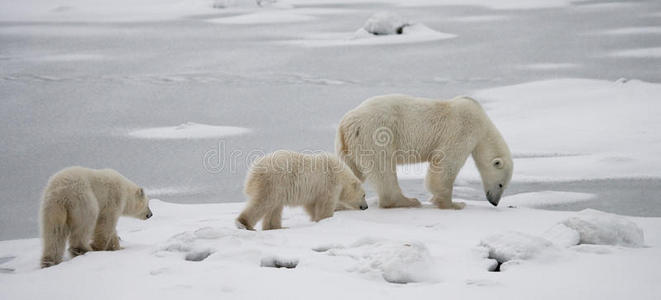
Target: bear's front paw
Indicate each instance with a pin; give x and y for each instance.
(447, 204)
(113, 244)
(458, 205)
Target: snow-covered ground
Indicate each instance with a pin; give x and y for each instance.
(180, 96)
(194, 251)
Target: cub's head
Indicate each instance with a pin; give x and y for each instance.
(352, 196)
(138, 205)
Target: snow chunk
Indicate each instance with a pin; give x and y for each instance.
(545, 198)
(279, 262)
(562, 236)
(396, 262)
(597, 227)
(188, 130)
(385, 23)
(504, 247)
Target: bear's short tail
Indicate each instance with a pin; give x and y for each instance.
(342, 151)
(54, 233)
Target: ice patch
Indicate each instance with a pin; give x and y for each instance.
(545, 198)
(476, 19)
(414, 33)
(597, 227)
(633, 30)
(395, 262)
(638, 53)
(265, 17)
(188, 130)
(548, 66)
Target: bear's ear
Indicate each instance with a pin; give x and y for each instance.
(141, 192)
(497, 163)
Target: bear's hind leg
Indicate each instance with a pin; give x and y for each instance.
(273, 219)
(105, 234)
(82, 221)
(255, 210)
(54, 232)
(387, 187)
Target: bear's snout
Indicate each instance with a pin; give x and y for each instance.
(148, 215)
(363, 207)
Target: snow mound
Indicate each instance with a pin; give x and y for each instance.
(413, 33)
(385, 23)
(199, 244)
(545, 198)
(278, 262)
(562, 236)
(395, 262)
(188, 130)
(597, 227)
(512, 245)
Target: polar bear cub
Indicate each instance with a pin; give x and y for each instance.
(320, 183)
(84, 205)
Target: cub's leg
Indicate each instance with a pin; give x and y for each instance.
(384, 180)
(323, 207)
(105, 234)
(255, 210)
(273, 219)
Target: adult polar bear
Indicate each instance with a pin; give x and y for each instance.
(388, 130)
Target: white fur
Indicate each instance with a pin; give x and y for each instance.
(388, 130)
(84, 204)
(320, 183)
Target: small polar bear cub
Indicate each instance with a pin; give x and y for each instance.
(84, 205)
(320, 183)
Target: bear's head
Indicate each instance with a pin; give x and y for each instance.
(137, 205)
(352, 196)
(496, 175)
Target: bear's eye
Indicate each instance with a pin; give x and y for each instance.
(363, 195)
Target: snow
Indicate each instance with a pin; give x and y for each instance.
(568, 110)
(596, 227)
(515, 246)
(194, 251)
(396, 262)
(414, 33)
(188, 130)
(385, 23)
(544, 198)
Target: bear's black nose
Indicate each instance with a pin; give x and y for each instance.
(149, 214)
(363, 207)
